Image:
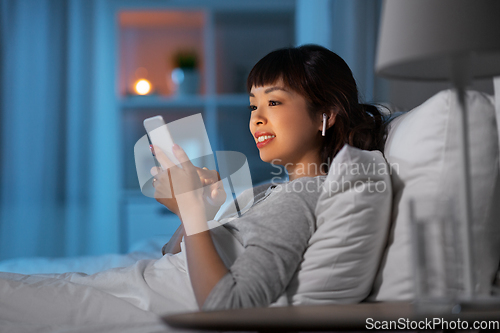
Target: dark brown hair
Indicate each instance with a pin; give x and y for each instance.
(326, 82)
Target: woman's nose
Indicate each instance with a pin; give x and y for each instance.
(257, 118)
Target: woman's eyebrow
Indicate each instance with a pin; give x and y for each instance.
(268, 90)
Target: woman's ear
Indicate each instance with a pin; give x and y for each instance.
(330, 118)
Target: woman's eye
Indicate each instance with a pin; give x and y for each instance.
(273, 103)
(252, 107)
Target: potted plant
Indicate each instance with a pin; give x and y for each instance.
(186, 74)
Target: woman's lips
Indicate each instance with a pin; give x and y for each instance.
(265, 142)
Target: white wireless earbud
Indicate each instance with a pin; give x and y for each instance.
(324, 125)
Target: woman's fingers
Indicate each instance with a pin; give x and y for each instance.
(182, 156)
(165, 162)
(154, 171)
(217, 192)
(208, 177)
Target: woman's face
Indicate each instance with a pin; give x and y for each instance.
(282, 127)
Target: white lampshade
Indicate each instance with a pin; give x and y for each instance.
(418, 38)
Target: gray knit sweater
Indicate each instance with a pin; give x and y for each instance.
(274, 232)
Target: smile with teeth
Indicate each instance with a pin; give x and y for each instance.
(265, 137)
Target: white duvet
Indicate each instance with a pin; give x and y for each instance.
(120, 299)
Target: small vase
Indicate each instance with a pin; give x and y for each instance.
(187, 80)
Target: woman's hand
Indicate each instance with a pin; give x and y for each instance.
(170, 181)
(213, 193)
(164, 190)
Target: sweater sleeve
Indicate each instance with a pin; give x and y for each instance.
(275, 233)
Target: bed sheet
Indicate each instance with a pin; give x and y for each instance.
(148, 249)
(128, 298)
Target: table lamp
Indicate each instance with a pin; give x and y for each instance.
(454, 40)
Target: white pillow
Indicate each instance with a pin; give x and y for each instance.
(352, 216)
(425, 144)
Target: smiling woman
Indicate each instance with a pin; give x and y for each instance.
(304, 109)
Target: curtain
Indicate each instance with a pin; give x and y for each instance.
(348, 28)
(59, 131)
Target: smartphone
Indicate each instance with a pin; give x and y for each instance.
(160, 136)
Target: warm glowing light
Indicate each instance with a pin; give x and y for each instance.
(142, 87)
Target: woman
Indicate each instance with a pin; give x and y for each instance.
(304, 108)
